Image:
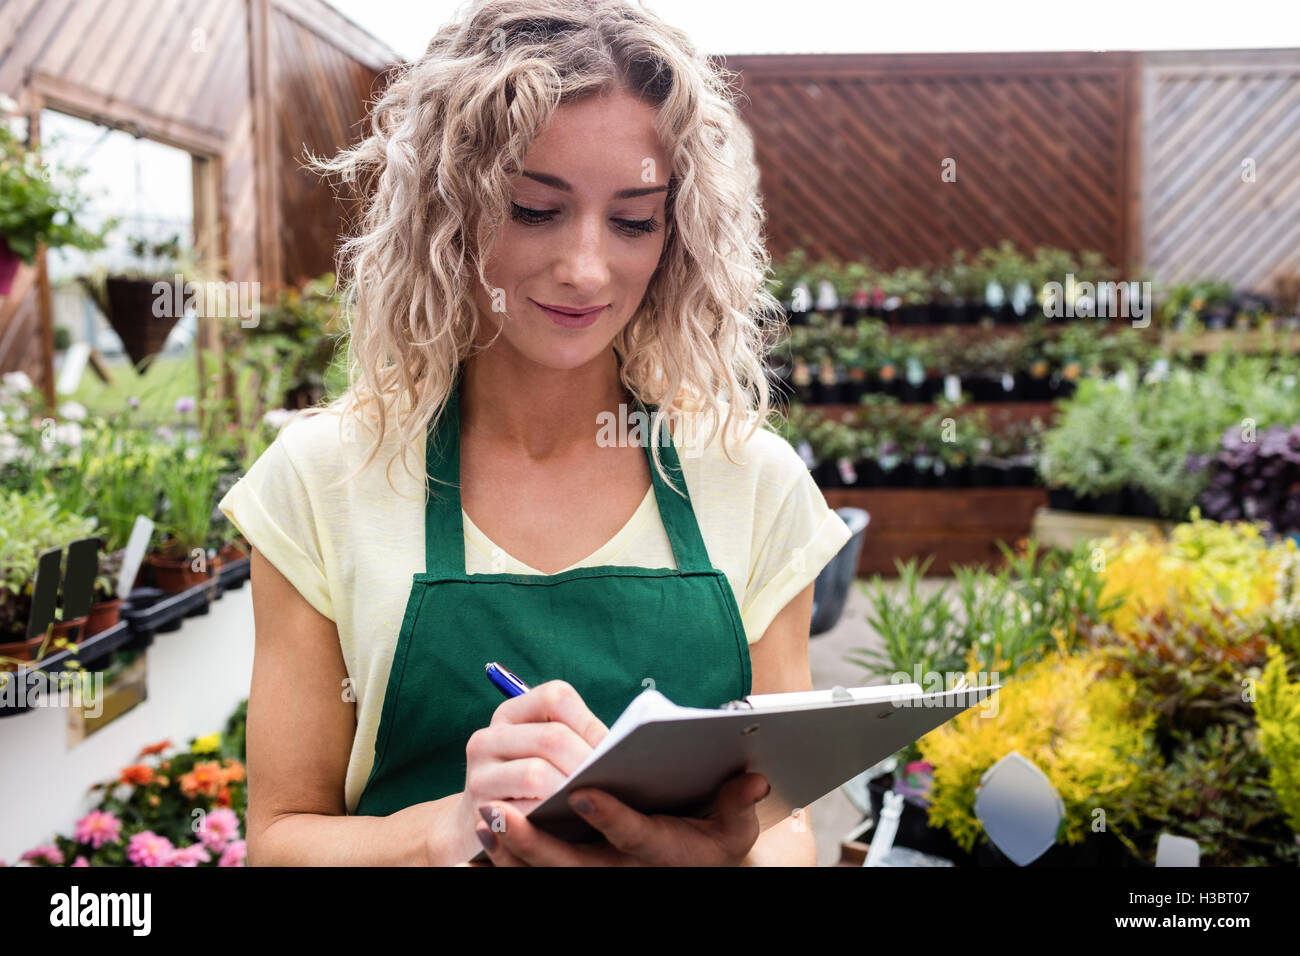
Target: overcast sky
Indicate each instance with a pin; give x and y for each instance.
(911, 26)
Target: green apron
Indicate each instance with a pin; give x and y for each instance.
(609, 631)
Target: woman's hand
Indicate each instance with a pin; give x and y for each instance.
(534, 742)
(723, 838)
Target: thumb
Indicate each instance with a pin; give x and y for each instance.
(739, 794)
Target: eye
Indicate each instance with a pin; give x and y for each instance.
(530, 216)
(536, 217)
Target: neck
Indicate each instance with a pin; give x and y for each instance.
(543, 412)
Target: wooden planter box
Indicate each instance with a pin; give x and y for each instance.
(955, 525)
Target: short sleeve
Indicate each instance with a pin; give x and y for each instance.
(271, 507)
(799, 539)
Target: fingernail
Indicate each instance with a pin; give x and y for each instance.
(582, 805)
(488, 813)
(487, 839)
(767, 788)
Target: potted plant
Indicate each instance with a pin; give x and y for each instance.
(33, 524)
(40, 204)
(188, 480)
(1256, 480)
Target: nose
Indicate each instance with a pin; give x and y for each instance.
(583, 263)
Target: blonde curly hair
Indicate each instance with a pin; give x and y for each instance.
(446, 136)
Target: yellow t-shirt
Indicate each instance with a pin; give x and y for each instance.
(351, 550)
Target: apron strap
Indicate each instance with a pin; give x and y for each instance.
(444, 527)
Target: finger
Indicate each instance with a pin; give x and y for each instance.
(531, 778)
(524, 842)
(554, 741)
(554, 700)
(492, 846)
(627, 831)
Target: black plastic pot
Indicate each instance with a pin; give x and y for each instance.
(924, 477)
(1063, 499)
(869, 474)
(914, 314)
(1022, 476)
(827, 475)
(987, 476)
(1139, 503)
(914, 830)
(1097, 849)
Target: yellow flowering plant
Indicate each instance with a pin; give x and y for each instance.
(1078, 726)
(1278, 707)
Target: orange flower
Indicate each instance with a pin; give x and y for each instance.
(138, 774)
(205, 778)
(155, 748)
(163, 780)
(234, 771)
(223, 797)
(153, 800)
(166, 764)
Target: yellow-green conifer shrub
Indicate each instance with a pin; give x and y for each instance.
(1077, 726)
(1277, 706)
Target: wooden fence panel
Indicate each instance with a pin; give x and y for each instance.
(852, 149)
(1221, 165)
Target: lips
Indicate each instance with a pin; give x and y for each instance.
(568, 310)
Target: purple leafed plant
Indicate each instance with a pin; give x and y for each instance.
(1256, 480)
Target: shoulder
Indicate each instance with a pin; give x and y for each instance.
(746, 451)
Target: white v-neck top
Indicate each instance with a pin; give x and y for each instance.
(351, 550)
(608, 553)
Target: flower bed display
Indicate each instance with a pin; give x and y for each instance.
(1153, 681)
(171, 807)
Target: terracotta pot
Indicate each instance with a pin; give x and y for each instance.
(74, 630)
(231, 553)
(22, 650)
(103, 616)
(174, 575)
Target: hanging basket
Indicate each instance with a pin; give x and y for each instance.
(130, 311)
(9, 263)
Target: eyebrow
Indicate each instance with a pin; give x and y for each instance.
(546, 179)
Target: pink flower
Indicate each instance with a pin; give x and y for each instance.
(218, 828)
(50, 854)
(191, 855)
(97, 828)
(234, 854)
(81, 861)
(149, 849)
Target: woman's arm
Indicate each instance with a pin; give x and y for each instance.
(300, 730)
(779, 662)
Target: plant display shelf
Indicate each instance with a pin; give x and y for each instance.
(954, 525)
(139, 624)
(1208, 343)
(1065, 529)
(999, 412)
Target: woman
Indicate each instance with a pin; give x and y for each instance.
(597, 158)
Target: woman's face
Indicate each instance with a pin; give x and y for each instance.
(585, 231)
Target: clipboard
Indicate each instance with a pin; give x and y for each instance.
(662, 758)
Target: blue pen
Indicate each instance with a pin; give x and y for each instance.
(506, 682)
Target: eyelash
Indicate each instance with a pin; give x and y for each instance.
(639, 227)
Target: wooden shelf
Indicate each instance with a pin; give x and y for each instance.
(998, 411)
(1207, 343)
(1065, 529)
